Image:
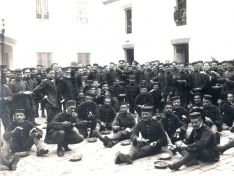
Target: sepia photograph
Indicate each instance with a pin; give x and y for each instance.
(116, 87)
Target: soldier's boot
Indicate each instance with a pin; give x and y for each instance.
(42, 152)
(14, 162)
(66, 148)
(125, 158)
(104, 139)
(225, 147)
(185, 160)
(60, 151)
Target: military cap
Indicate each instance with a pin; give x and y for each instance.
(103, 83)
(48, 70)
(207, 97)
(214, 61)
(95, 64)
(19, 111)
(166, 65)
(18, 70)
(175, 98)
(67, 69)
(197, 93)
(53, 64)
(197, 62)
(71, 103)
(26, 70)
(195, 115)
(73, 64)
(121, 60)
(147, 109)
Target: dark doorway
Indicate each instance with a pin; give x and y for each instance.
(129, 55)
(181, 53)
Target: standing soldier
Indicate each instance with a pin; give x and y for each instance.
(48, 88)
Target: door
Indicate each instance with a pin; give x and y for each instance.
(129, 55)
(181, 53)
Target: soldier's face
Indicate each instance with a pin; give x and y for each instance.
(206, 103)
(124, 108)
(196, 123)
(71, 110)
(197, 99)
(168, 108)
(107, 102)
(176, 103)
(146, 116)
(19, 117)
(143, 90)
(230, 98)
(51, 74)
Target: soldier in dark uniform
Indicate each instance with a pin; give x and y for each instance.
(106, 115)
(227, 109)
(88, 111)
(132, 90)
(20, 100)
(201, 145)
(157, 96)
(198, 80)
(48, 88)
(116, 89)
(144, 98)
(153, 138)
(179, 110)
(18, 85)
(213, 117)
(111, 75)
(22, 134)
(174, 127)
(61, 129)
(121, 125)
(5, 99)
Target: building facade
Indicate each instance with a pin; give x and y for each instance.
(101, 31)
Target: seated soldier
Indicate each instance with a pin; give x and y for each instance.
(153, 137)
(227, 109)
(174, 127)
(61, 130)
(179, 110)
(106, 115)
(143, 98)
(201, 145)
(122, 125)
(213, 117)
(22, 134)
(88, 111)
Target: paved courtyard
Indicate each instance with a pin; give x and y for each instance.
(98, 160)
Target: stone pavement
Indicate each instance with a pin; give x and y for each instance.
(98, 160)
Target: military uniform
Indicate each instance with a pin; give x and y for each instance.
(106, 114)
(48, 88)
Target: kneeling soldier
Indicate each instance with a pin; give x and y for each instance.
(61, 129)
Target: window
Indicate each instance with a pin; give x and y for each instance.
(128, 16)
(83, 58)
(42, 12)
(82, 11)
(44, 59)
(180, 17)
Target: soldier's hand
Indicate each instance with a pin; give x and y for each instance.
(103, 124)
(66, 124)
(74, 114)
(153, 144)
(115, 127)
(128, 129)
(8, 98)
(17, 129)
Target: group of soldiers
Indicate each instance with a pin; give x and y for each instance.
(155, 105)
